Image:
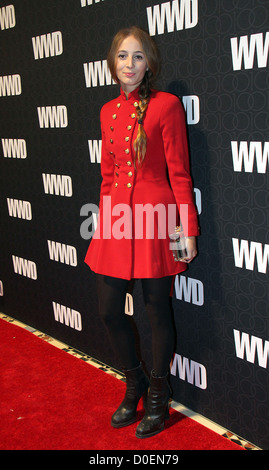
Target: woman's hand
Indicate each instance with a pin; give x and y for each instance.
(190, 244)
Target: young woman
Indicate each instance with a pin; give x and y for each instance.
(145, 171)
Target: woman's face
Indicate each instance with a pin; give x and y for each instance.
(131, 64)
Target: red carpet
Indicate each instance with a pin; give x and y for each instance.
(51, 400)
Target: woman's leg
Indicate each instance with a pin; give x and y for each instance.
(111, 298)
(156, 295)
(112, 294)
(157, 300)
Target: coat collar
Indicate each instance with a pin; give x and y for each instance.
(132, 97)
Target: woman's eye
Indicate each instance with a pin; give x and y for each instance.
(137, 57)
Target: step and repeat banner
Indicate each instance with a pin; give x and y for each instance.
(54, 80)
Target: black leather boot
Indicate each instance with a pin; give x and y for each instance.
(137, 384)
(157, 410)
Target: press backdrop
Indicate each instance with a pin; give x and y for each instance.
(53, 82)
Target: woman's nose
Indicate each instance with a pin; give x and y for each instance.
(129, 61)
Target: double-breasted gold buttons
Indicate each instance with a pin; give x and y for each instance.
(121, 148)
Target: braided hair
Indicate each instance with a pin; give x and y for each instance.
(140, 143)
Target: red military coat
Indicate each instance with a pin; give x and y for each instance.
(135, 203)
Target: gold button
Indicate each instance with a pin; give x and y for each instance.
(130, 174)
(111, 141)
(116, 173)
(111, 128)
(135, 104)
(129, 163)
(117, 165)
(129, 185)
(118, 105)
(133, 115)
(127, 139)
(127, 151)
(116, 185)
(129, 128)
(114, 116)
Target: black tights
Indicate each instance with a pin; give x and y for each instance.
(112, 294)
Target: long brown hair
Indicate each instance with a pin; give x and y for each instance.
(153, 60)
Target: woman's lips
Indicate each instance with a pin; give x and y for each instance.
(129, 75)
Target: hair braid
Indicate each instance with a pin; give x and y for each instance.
(140, 143)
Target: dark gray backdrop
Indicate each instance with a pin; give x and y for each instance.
(221, 304)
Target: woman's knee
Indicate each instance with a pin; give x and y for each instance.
(111, 298)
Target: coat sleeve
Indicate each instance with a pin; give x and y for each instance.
(174, 135)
